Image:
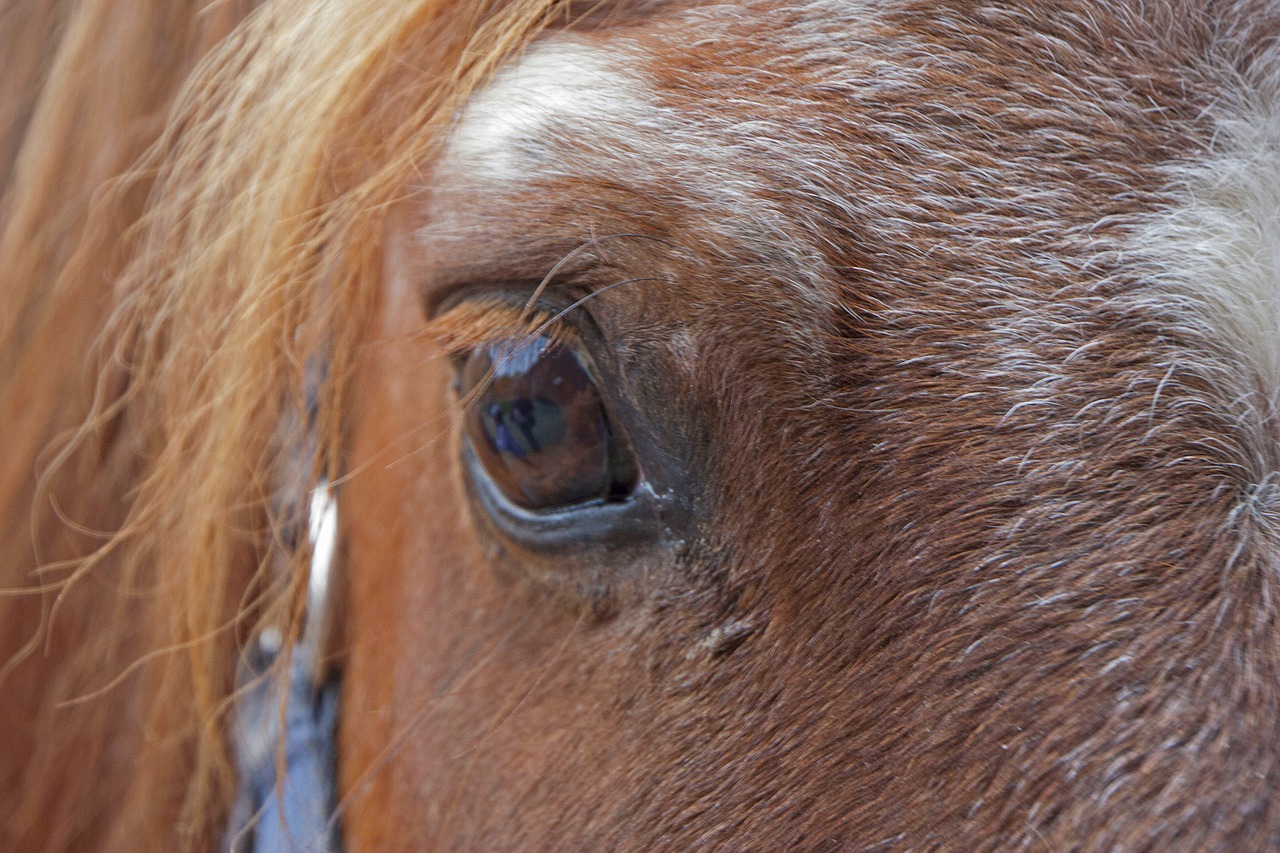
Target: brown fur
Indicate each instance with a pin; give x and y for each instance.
(980, 551)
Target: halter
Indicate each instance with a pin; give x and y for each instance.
(290, 807)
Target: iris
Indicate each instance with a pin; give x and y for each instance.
(538, 425)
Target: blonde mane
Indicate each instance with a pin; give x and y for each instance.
(193, 197)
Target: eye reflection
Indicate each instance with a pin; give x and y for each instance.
(539, 427)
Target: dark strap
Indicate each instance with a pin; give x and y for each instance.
(293, 814)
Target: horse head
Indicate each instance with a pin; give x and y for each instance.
(833, 425)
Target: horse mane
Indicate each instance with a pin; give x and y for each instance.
(191, 205)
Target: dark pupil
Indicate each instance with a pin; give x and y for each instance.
(537, 424)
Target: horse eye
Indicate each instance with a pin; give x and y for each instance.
(539, 427)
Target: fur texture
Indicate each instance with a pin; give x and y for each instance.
(949, 329)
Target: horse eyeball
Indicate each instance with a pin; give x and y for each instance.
(538, 425)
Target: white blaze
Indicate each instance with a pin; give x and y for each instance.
(558, 86)
(1219, 251)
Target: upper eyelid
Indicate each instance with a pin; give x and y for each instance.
(477, 321)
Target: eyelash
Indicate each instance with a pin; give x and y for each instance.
(481, 321)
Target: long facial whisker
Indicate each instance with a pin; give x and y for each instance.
(563, 262)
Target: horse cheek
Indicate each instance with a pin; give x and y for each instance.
(421, 605)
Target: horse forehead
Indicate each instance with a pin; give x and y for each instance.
(758, 145)
(624, 126)
(559, 85)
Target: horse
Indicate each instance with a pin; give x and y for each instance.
(737, 424)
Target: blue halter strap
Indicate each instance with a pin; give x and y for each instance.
(288, 806)
(285, 808)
